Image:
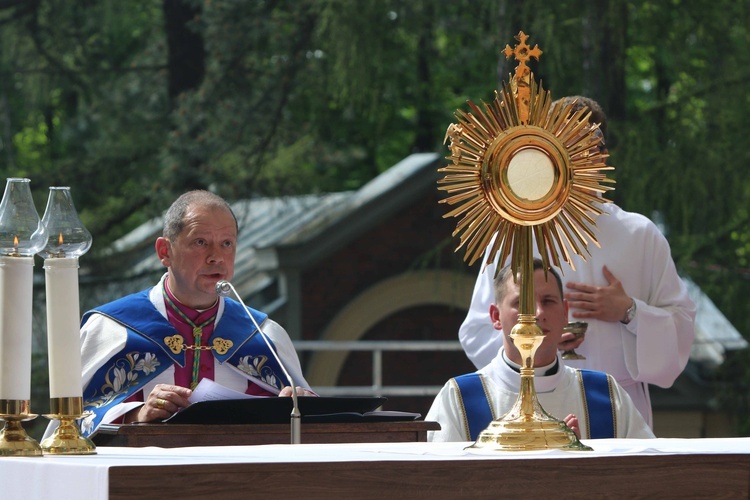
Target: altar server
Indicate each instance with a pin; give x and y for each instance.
(592, 403)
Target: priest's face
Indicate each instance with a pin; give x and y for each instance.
(551, 316)
(201, 255)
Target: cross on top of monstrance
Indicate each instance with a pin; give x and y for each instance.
(522, 171)
(523, 72)
(522, 53)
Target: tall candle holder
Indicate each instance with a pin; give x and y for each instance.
(21, 236)
(67, 240)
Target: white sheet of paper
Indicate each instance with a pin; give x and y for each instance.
(208, 390)
(392, 413)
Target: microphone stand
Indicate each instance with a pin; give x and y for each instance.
(222, 288)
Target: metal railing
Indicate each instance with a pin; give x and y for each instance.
(377, 347)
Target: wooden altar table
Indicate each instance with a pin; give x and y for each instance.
(673, 468)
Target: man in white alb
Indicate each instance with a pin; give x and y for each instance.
(591, 403)
(641, 320)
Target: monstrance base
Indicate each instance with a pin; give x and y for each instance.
(526, 434)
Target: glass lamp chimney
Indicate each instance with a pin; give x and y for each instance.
(22, 234)
(66, 234)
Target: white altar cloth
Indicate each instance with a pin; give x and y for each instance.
(52, 477)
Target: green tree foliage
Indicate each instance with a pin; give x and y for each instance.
(132, 102)
(84, 84)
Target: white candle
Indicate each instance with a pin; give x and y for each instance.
(63, 330)
(16, 293)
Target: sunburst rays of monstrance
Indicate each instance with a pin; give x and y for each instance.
(526, 171)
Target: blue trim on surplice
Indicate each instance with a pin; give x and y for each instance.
(476, 407)
(597, 399)
(599, 403)
(146, 354)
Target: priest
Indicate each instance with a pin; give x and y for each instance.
(144, 353)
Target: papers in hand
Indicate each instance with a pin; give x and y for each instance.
(208, 390)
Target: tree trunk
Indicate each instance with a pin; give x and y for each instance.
(614, 42)
(186, 52)
(425, 134)
(186, 70)
(509, 25)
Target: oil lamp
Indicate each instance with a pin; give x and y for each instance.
(21, 236)
(67, 240)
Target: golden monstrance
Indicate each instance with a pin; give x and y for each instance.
(530, 172)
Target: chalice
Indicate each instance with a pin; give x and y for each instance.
(579, 330)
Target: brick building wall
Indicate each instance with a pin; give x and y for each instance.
(417, 237)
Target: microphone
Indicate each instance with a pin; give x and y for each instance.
(223, 288)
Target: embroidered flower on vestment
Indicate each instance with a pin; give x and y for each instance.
(122, 374)
(148, 364)
(119, 379)
(87, 423)
(252, 365)
(270, 379)
(256, 367)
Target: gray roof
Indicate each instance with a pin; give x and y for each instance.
(289, 221)
(714, 334)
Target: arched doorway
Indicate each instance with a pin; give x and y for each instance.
(415, 288)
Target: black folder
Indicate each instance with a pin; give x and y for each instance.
(275, 410)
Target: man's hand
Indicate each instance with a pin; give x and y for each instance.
(301, 391)
(607, 303)
(163, 401)
(572, 422)
(569, 341)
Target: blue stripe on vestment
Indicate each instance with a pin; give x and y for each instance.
(599, 403)
(476, 407)
(597, 400)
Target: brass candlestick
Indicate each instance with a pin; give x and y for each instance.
(530, 172)
(67, 438)
(14, 442)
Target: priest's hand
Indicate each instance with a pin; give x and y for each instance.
(572, 422)
(163, 401)
(301, 391)
(607, 303)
